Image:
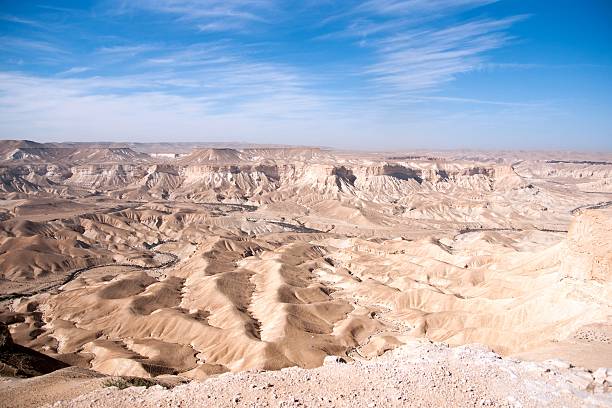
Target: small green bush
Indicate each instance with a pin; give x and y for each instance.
(125, 382)
(116, 382)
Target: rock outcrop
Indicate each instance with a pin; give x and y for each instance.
(589, 246)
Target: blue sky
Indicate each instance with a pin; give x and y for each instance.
(374, 74)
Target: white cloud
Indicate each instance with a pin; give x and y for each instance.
(436, 7)
(75, 70)
(226, 90)
(76, 109)
(273, 108)
(428, 58)
(212, 15)
(219, 26)
(19, 20)
(18, 44)
(414, 48)
(130, 50)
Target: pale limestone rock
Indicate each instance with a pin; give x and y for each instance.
(589, 248)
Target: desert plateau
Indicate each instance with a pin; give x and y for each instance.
(319, 203)
(288, 276)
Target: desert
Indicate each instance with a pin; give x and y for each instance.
(307, 203)
(202, 268)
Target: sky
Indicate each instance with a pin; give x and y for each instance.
(372, 74)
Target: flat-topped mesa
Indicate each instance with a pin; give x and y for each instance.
(105, 176)
(398, 171)
(589, 248)
(216, 169)
(318, 178)
(108, 155)
(575, 169)
(31, 152)
(285, 153)
(10, 148)
(250, 155)
(36, 154)
(417, 157)
(211, 156)
(218, 182)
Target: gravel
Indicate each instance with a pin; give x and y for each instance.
(420, 374)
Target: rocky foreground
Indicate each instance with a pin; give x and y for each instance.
(420, 374)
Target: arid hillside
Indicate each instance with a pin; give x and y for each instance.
(228, 259)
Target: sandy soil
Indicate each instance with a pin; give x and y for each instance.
(59, 385)
(237, 259)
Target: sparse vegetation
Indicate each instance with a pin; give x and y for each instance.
(125, 382)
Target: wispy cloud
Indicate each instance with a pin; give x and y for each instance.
(414, 45)
(220, 26)
(210, 75)
(75, 70)
(428, 58)
(521, 66)
(19, 44)
(236, 106)
(437, 7)
(217, 81)
(478, 101)
(126, 49)
(407, 11)
(212, 15)
(19, 20)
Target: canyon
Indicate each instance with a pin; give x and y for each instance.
(190, 262)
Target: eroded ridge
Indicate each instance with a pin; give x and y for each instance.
(226, 260)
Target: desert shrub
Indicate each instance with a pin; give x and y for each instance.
(125, 382)
(116, 382)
